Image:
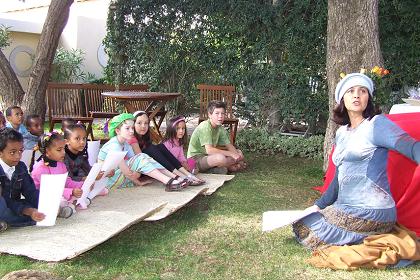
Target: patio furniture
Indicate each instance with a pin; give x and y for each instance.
(84, 102)
(67, 102)
(226, 94)
(154, 103)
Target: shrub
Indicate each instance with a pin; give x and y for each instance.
(259, 140)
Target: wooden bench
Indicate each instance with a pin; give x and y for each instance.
(226, 94)
(84, 103)
(66, 101)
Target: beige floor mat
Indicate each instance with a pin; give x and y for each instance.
(106, 217)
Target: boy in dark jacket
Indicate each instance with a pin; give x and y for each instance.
(15, 182)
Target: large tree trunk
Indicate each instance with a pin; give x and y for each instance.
(56, 20)
(11, 91)
(352, 43)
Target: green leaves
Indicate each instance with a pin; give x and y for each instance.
(4, 36)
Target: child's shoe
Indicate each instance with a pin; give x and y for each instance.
(84, 204)
(3, 226)
(65, 212)
(173, 185)
(195, 181)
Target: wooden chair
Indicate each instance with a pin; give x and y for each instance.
(67, 102)
(226, 94)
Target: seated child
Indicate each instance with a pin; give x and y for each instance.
(208, 135)
(35, 127)
(19, 197)
(51, 146)
(141, 143)
(121, 129)
(76, 157)
(2, 120)
(14, 116)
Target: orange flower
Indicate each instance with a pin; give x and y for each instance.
(386, 72)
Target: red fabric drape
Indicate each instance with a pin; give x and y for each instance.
(403, 175)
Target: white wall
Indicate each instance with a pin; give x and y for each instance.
(85, 29)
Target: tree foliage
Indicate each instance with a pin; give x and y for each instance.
(4, 36)
(275, 54)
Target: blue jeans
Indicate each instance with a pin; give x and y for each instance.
(11, 218)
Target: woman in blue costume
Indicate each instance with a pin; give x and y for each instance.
(358, 201)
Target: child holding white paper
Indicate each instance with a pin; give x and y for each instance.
(121, 129)
(51, 146)
(76, 157)
(18, 197)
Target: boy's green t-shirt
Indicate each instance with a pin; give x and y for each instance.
(205, 134)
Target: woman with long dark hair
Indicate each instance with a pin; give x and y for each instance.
(358, 201)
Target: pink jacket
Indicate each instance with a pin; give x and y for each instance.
(40, 168)
(176, 149)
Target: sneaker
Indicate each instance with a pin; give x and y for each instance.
(3, 226)
(65, 212)
(218, 170)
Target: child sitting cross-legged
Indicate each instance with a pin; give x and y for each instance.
(121, 129)
(51, 146)
(19, 197)
(206, 139)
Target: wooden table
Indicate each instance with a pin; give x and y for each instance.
(155, 103)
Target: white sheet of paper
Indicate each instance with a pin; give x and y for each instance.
(277, 219)
(90, 179)
(93, 151)
(112, 160)
(51, 192)
(98, 187)
(26, 157)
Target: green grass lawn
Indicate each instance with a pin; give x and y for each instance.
(216, 237)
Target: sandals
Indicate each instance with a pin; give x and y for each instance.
(194, 181)
(170, 186)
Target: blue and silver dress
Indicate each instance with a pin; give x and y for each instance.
(358, 201)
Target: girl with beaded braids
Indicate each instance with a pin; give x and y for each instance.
(51, 146)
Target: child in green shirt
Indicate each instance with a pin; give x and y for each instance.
(204, 146)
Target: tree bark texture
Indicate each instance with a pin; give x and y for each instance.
(56, 20)
(352, 43)
(11, 91)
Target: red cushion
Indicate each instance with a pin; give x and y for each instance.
(403, 175)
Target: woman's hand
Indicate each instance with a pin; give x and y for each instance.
(313, 208)
(77, 193)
